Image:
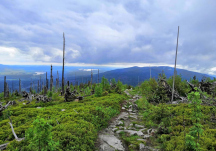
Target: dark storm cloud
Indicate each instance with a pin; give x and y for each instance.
(106, 32)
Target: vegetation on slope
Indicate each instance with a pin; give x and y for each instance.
(74, 128)
(185, 126)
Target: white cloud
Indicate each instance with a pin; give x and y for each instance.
(108, 32)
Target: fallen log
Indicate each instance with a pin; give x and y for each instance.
(3, 146)
(2, 108)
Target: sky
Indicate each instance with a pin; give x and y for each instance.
(114, 33)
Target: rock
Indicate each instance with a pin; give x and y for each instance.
(39, 107)
(137, 126)
(114, 129)
(131, 132)
(146, 136)
(62, 109)
(112, 141)
(142, 147)
(24, 104)
(120, 123)
(135, 107)
(123, 108)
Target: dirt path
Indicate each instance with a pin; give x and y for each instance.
(109, 139)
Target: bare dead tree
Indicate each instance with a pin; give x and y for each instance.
(63, 64)
(51, 80)
(175, 66)
(57, 82)
(46, 82)
(5, 87)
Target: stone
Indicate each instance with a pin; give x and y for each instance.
(135, 107)
(62, 109)
(112, 141)
(137, 126)
(146, 136)
(120, 123)
(131, 132)
(114, 129)
(123, 108)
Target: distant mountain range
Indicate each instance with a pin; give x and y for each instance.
(130, 76)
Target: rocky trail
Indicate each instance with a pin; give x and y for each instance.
(109, 139)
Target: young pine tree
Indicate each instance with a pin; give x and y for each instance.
(40, 136)
(192, 139)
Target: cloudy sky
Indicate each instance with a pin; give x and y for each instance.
(109, 32)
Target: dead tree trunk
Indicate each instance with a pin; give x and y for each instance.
(5, 87)
(46, 82)
(175, 66)
(63, 64)
(51, 80)
(58, 80)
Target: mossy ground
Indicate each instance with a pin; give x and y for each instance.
(173, 123)
(78, 124)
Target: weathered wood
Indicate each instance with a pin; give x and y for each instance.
(175, 66)
(7, 90)
(63, 64)
(13, 131)
(51, 80)
(3, 146)
(2, 108)
(5, 87)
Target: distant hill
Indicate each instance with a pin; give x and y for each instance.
(130, 75)
(126, 75)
